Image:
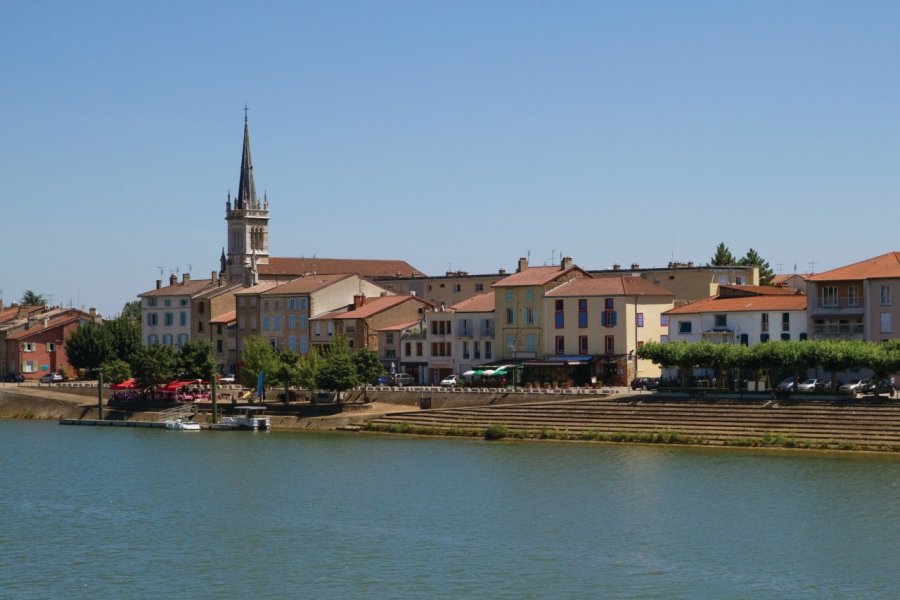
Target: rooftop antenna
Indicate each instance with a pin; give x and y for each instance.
(190, 268)
(161, 268)
(779, 266)
(812, 267)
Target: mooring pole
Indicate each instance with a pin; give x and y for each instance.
(100, 396)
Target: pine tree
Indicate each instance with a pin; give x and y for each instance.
(766, 274)
(722, 257)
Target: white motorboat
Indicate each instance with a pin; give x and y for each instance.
(247, 417)
(182, 425)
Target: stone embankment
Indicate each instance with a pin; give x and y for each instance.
(847, 424)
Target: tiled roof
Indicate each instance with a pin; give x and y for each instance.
(480, 303)
(879, 267)
(754, 290)
(180, 289)
(535, 276)
(775, 302)
(218, 290)
(374, 306)
(224, 318)
(39, 326)
(307, 284)
(285, 266)
(10, 314)
(783, 279)
(400, 326)
(623, 285)
(259, 288)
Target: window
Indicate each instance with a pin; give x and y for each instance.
(51, 347)
(664, 320)
(608, 318)
(182, 339)
(885, 322)
(390, 353)
(440, 349)
(639, 318)
(199, 326)
(510, 316)
(745, 339)
(764, 322)
(29, 366)
(663, 339)
(265, 322)
(167, 339)
(152, 319)
(28, 347)
(389, 338)
(316, 330)
(304, 322)
(853, 295)
(487, 349)
(476, 350)
(560, 344)
(457, 287)
(479, 287)
(418, 348)
(829, 296)
(169, 319)
(885, 295)
(152, 339)
(764, 337)
(582, 344)
(329, 327)
(785, 336)
(292, 322)
(167, 302)
(465, 350)
(684, 327)
(183, 302)
(408, 349)
(721, 320)
(609, 344)
(785, 321)
(242, 301)
(182, 318)
(253, 322)
(559, 314)
(274, 343)
(608, 304)
(277, 323)
(292, 343)
(529, 316)
(509, 295)
(151, 301)
(529, 294)
(529, 343)
(510, 342)
(582, 313)
(219, 346)
(219, 329)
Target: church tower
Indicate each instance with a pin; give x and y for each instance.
(248, 224)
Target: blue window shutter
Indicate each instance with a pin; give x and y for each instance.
(613, 315)
(603, 318)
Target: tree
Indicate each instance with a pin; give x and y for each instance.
(368, 366)
(29, 298)
(125, 337)
(337, 372)
(308, 368)
(153, 365)
(88, 347)
(115, 371)
(257, 357)
(132, 310)
(766, 275)
(196, 361)
(722, 257)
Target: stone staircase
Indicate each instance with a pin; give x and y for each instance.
(814, 424)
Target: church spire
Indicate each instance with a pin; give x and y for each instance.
(246, 196)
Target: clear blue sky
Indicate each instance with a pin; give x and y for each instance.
(448, 134)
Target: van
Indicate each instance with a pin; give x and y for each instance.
(402, 379)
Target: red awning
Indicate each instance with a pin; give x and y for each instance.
(128, 384)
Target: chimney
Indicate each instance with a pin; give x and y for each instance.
(158, 283)
(566, 263)
(186, 278)
(635, 266)
(215, 278)
(523, 264)
(501, 272)
(46, 321)
(616, 267)
(173, 279)
(358, 300)
(92, 311)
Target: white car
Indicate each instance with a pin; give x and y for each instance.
(450, 381)
(807, 386)
(226, 379)
(51, 378)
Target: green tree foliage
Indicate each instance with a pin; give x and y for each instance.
(30, 298)
(125, 337)
(337, 371)
(115, 371)
(722, 257)
(766, 274)
(308, 368)
(88, 347)
(132, 310)
(257, 357)
(368, 367)
(153, 365)
(196, 361)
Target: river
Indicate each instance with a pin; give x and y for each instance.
(121, 512)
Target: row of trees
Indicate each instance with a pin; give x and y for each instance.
(333, 368)
(724, 258)
(772, 358)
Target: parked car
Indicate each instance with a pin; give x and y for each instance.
(854, 387)
(450, 381)
(882, 386)
(14, 377)
(226, 379)
(785, 386)
(824, 386)
(401, 379)
(807, 386)
(51, 378)
(383, 380)
(645, 383)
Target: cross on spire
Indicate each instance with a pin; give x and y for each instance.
(245, 112)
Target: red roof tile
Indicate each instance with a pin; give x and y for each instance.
(286, 266)
(224, 318)
(39, 327)
(623, 285)
(880, 267)
(480, 303)
(259, 288)
(374, 306)
(536, 276)
(400, 326)
(714, 304)
(754, 290)
(180, 289)
(307, 284)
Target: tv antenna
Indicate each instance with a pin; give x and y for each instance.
(161, 268)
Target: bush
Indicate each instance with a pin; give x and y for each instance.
(495, 432)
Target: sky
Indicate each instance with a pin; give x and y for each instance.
(453, 135)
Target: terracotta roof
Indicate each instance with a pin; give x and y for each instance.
(879, 267)
(754, 290)
(480, 303)
(180, 289)
(11, 313)
(623, 285)
(39, 327)
(400, 327)
(714, 304)
(218, 290)
(259, 288)
(535, 276)
(782, 279)
(374, 306)
(284, 266)
(307, 284)
(225, 318)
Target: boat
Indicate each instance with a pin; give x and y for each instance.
(245, 417)
(182, 425)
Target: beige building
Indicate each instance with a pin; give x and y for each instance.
(687, 281)
(595, 325)
(361, 324)
(446, 290)
(223, 339)
(474, 331)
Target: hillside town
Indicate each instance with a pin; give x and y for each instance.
(552, 324)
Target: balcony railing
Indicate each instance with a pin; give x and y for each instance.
(839, 330)
(837, 304)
